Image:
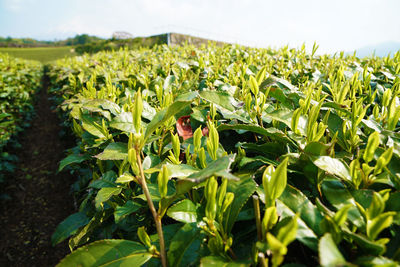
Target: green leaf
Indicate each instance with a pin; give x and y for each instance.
(168, 82)
(376, 261)
(317, 149)
(333, 166)
(337, 194)
(287, 232)
(94, 105)
(123, 211)
(83, 234)
(341, 215)
(219, 98)
(165, 114)
(372, 145)
(217, 261)
(123, 122)
(88, 123)
(109, 105)
(184, 211)
(278, 180)
(219, 167)
(148, 111)
(282, 90)
(186, 241)
(285, 116)
(106, 193)
(329, 254)
(114, 151)
(269, 132)
(379, 223)
(71, 159)
(169, 233)
(293, 201)
(106, 180)
(376, 207)
(181, 170)
(125, 178)
(242, 189)
(109, 252)
(69, 227)
(364, 243)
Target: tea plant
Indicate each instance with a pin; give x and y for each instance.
(231, 156)
(19, 81)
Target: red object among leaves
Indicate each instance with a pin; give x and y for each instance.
(204, 131)
(185, 130)
(183, 127)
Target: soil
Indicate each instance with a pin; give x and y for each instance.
(40, 197)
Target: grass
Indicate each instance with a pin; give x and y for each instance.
(42, 54)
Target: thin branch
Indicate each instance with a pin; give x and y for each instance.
(156, 217)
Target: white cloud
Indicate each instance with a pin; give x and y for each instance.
(80, 25)
(13, 5)
(16, 6)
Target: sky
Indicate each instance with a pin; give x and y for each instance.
(336, 25)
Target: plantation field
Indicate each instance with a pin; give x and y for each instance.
(42, 54)
(231, 156)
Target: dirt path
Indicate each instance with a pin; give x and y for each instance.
(40, 196)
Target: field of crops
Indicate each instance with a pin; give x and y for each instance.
(19, 81)
(231, 156)
(42, 54)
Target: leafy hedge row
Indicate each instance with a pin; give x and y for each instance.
(19, 81)
(231, 156)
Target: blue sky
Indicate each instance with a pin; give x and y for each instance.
(334, 24)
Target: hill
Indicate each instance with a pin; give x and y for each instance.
(380, 50)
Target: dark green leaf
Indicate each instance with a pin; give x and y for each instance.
(337, 194)
(73, 158)
(184, 245)
(109, 252)
(106, 180)
(292, 201)
(122, 211)
(365, 244)
(242, 189)
(69, 227)
(269, 132)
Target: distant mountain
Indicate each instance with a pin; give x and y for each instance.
(381, 50)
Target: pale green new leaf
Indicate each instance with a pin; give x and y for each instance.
(184, 211)
(114, 151)
(329, 254)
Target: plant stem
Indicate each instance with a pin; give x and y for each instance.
(262, 260)
(256, 204)
(156, 217)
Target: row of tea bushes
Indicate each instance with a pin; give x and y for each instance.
(19, 81)
(231, 156)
